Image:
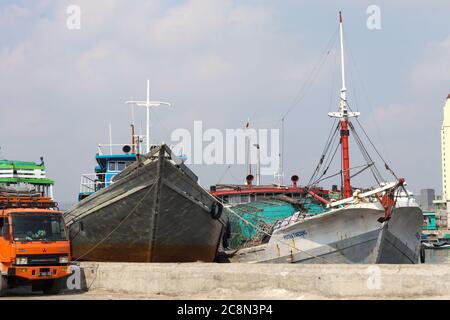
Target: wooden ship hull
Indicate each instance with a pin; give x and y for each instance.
(155, 211)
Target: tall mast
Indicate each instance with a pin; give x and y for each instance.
(343, 90)
(148, 116)
(343, 115)
(148, 104)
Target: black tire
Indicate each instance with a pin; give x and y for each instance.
(216, 210)
(53, 286)
(3, 286)
(226, 235)
(422, 254)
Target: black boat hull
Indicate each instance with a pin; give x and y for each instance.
(155, 211)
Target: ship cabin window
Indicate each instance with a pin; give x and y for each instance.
(120, 165)
(112, 166)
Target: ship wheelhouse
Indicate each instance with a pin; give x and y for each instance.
(108, 166)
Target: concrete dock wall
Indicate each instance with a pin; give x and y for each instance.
(269, 281)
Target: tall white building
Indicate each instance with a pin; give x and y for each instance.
(445, 151)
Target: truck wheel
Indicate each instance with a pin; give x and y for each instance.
(52, 286)
(3, 285)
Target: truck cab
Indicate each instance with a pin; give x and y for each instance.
(34, 248)
(34, 242)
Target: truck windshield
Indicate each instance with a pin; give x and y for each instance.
(38, 227)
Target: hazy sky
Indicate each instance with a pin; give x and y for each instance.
(221, 62)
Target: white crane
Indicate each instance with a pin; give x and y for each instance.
(148, 104)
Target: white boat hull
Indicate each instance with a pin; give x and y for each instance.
(347, 235)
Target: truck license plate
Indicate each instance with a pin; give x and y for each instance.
(45, 273)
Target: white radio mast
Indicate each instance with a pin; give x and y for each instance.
(148, 104)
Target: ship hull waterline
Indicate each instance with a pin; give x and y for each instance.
(156, 212)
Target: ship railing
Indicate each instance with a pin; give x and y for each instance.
(92, 182)
(118, 148)
(22, 173)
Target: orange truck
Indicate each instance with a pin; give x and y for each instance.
(34, 243)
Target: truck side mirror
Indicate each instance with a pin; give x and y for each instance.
(5, 231)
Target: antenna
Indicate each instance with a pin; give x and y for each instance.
(247, 142)
(148, 104)
(132, 114)
(278, 175)
(258, 165)
(140, 137)
(133, 137)
(110, 139)
(281, 155)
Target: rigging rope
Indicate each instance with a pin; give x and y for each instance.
(376, 150)
(365, 166)
(366, 95)
(330, 141)
(330, 160)
(326, 169)
(313, 74)
(224, 173)
(308, 84)
(366, 155)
